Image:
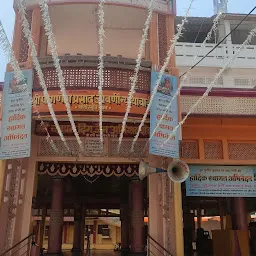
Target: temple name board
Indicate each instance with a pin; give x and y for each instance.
(86, 102)
(91, 129)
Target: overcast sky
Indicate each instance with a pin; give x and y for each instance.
(200, 8)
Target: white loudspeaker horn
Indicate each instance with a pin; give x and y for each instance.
(178, 171)
(145, 170)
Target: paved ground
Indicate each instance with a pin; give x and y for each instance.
(104, 253)
(97, 253)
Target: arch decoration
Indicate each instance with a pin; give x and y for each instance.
(91, 170)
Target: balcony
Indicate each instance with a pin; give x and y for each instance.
(185, 53)
(80, 72)
(163, 6)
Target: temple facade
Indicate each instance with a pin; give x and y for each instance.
(69, 197)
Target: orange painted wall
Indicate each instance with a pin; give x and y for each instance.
(223, 130)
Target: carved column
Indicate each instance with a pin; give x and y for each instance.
(124, 210)
(42, 228)
(10, 210)
(82, 227)
(56, 217)
(77, 246)
(239, 214)
(189, 230)
(124, 229)
(137, 218)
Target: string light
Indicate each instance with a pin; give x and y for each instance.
(162, 71)
(101, 34)
(53, 48)
(19, 76)
(217, 76)
(28, 35)
(207, 38)
(134, 79)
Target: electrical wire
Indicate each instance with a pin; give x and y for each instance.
(216, 77)
(216, 46)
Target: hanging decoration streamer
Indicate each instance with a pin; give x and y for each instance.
(164, 67)
(208, 37)
(28, 35)
(101, 34)
(134, 79)
(7, 49)
(217, 76)
(53, 48)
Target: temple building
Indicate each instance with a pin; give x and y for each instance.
(75, 201)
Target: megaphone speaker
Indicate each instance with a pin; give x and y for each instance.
(145, 170)
(178, 171)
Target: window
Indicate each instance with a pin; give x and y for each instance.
(101, 227)
(46, 232)
(105, 233)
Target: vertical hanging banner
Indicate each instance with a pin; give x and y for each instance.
(16, 118)
(165, 92)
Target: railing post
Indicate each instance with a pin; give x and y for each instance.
(34, 251)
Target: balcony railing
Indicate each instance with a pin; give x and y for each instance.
(81, 72)
(185, 53)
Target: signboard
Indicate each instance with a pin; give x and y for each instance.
(221, 181)
(166, 90)
(86, 102)
(91, 129)
(93, 147)
(16, 118)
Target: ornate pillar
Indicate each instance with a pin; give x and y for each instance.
(137, 218)
(56, 217)
(77, 243)
(189, 230)
(124, 210)
(124, 229)
(155, 213)
(42, 228)
(239, 214)
(82, 228)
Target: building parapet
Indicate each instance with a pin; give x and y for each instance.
(163, 6)
(186, 52)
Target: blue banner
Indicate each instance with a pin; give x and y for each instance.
(221, 181)
(16, 118)
(165, 92)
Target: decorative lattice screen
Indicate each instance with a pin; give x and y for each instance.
(46, 149)
(109, 150)
(213, 150)
(86, 77)
(242, 151)
(125, 148)
(189, 149)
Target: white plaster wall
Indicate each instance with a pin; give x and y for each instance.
(232, 77)
(76, 29)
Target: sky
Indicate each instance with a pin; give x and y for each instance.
(199, 8)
